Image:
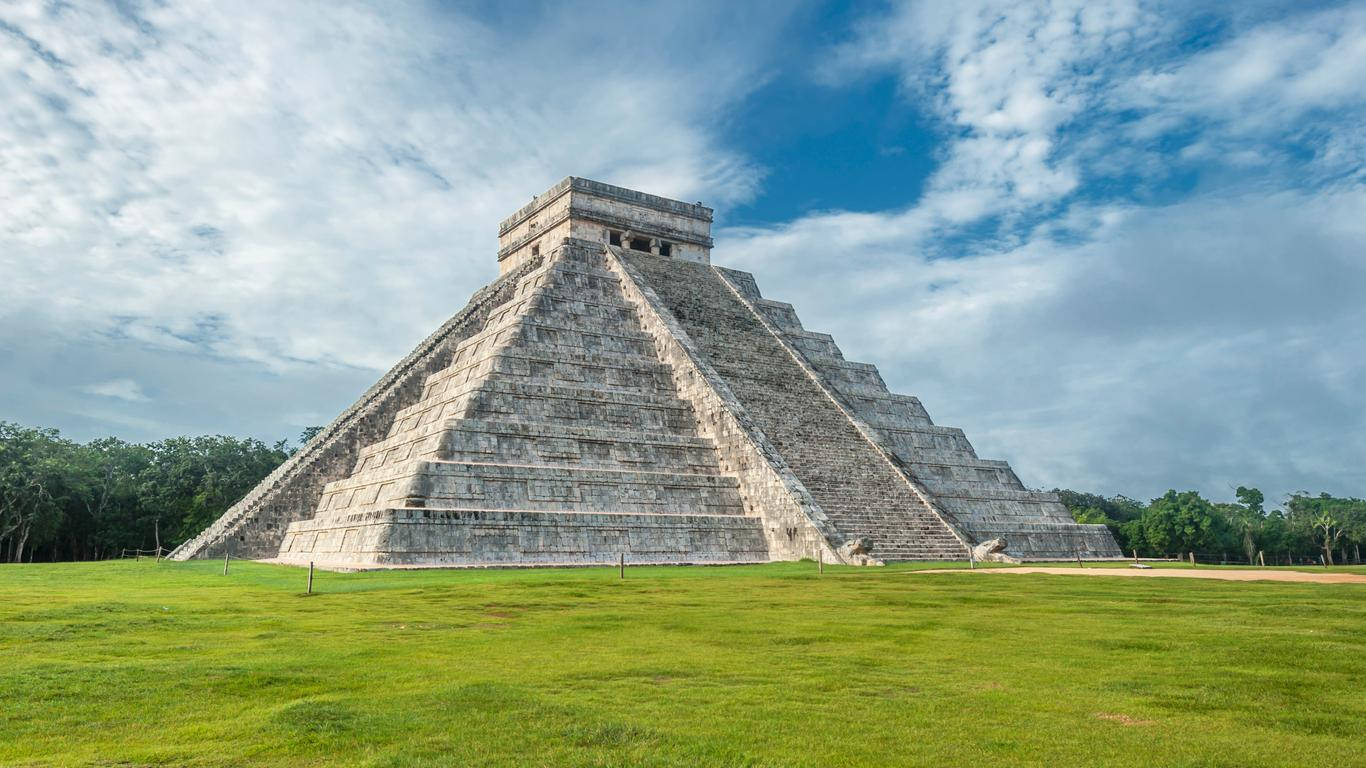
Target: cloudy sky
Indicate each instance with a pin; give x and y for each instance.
(1121, 243)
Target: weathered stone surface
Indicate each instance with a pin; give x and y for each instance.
(255, 525)
(852, 482)
(858, 551)
(993, 551)
(614, 395)
(982, 498)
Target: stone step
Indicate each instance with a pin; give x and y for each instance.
(530, 304)
(574, 280)
(998, 493)
(596, 268)
(954, 487)
(545, 354)
(453, 484)
(529, 329)
(543, 372)
(503, 400)
(573, 310)
(453, 399)
(559, 445)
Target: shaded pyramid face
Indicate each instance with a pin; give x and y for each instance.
(555, 435)
(835, 421)
(619, 396)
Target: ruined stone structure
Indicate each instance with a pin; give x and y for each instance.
(614, 394)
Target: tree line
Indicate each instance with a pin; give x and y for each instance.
(1305, 528)
(64, 500)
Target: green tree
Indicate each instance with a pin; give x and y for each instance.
(32, 488)
(1327, 522)
(190, 481)
(1114, 512)
(308, 434)
(1245, 520)
(1182, 522)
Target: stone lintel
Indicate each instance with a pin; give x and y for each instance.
(599, 189)
(602, 213)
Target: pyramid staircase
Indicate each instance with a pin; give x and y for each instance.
(982, 497)
(860, 492)
(555, 435)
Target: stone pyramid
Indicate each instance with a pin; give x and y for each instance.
(612, 395)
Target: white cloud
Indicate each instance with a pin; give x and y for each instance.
(318, 181)
(1218, 341)
(120, 389)
(310, 187)
(1097, 341)
(1005, 77)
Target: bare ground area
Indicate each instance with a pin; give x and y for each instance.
(1180, 573)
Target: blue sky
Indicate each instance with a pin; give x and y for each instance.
(1121, 243)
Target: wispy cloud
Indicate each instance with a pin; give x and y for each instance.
(315, 181)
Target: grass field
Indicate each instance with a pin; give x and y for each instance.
(138, 663)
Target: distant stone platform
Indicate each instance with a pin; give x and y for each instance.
(615, 395)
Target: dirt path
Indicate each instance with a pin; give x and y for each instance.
(1177, 573)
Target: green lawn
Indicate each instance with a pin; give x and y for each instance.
(130, 664)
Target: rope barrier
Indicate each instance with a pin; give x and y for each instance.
(159, 552)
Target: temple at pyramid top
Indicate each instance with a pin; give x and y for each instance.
(614, 395)
(602, 213)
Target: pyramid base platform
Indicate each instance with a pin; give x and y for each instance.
(1051, 541)
(442, 538)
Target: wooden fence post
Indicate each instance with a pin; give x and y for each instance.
(820, 560)
(621, 565)
(225, 563)
(1261, 558)
(310, 577)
